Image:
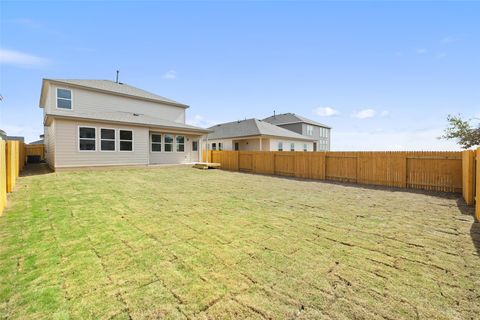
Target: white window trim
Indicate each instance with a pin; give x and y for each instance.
(160, 143)
(114, 140)
(174, 148)
(175, 142)
(120, 140)
(309, 128)
(56, 98)
(78, 139)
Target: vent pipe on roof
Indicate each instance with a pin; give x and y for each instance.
(117, 76)
(274, 113)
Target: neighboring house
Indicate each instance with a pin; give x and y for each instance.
(41, 141)
(256, 135)
(306, 127)
(105, 123)
(15, 138)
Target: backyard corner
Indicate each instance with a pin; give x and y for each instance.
(195, 244)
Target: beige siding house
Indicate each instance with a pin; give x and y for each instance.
(255, 135)
(104, 123)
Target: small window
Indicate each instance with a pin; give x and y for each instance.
(237, 147)
(194, 145)
(126, 140)
(214, 146)
(220, 146)
(292, 146)
(107, 139)
(309, 130)
(304, 147)
(156, 142)
(64, 99)
(180, 142)
(280, 146)
(168, 143)
(87, 138)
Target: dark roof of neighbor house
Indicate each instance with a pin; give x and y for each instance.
(251, 127)
(131, 118)
(15, 138)
(288, 118)
(41, 141)
(118, 88)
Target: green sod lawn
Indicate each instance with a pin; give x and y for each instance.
(184, 243)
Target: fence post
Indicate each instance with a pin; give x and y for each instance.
(10, 160)
(468, 161)
(477, 182)
(3, 176)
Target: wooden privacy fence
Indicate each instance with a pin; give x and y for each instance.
(12, 161)
(438, 171)
(471, 179)
(35, 150)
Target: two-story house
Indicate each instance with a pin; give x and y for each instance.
(105, 123)
(319, 132)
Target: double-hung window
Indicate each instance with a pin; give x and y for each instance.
(180, 142)
(194, 145)
(168, 143)
(156, 142)
(107, 139)
(64, 99)
(304, 147)
(126, 140)
(214, 146)
(292, 146)
(220, 146)
(280, 146)
(309, 130)
(87, 138)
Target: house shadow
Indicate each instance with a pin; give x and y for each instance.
(35, 169)
(475, 228)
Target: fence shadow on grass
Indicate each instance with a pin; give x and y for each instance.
(35, 169)
(475, 228)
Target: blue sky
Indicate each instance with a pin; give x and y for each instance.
(384, 75)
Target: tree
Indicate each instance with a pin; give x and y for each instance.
(463, 131)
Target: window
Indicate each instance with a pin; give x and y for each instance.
(237, 147)
(107, 139)
(156, 142)
(126, 140)
(180, 142)
(220, 146)
(64, 99)
(304, 147)
(292, 146)
(168, 143)
(194, 145)
(87, 138)
(309, 130)
(280, 146)
(214, 146)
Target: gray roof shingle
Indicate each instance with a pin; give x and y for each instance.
(287, 118)
(252, 127)
(119, 88)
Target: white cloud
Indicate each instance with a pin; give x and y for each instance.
(378, 140)
(171, 74)
(384, 113)
(200, 121)
(447, 40)
(21, 59)
(364, 114)
(325, 111)
(421, 50)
